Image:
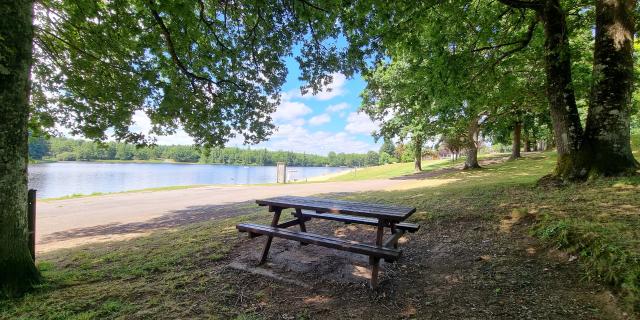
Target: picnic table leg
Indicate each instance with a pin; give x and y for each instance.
(393, 231)
(303, 228)
(274, 223)
(375, 262)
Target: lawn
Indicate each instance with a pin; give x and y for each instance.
(82, 195)
(399, 169)
(181, 272)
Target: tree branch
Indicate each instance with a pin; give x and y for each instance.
(313, 6)
(209, 25)
(523, 4)
(523, 44)
(174, 56)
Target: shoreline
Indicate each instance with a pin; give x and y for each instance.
(66, 223)
(168, 161)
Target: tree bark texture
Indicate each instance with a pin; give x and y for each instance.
(567, 128)
(17, 270)
(515, 145)
(471, 162)
(417, 153)
(607, 130)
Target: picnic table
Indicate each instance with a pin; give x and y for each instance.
(307, 208)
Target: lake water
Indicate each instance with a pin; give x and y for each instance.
(66, 178)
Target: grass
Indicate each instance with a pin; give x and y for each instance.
(389, 170)
(398, 169)
(146, 277)
(82, 195)
(178, 272)
(36, 161)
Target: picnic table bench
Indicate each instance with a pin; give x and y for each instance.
(307, 208)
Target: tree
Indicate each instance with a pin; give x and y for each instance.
(388, 147)
(603, 147)
(38, 147)
(17, 270)
(377, 31)
(372, 158)
(213, 69)
(393, 100)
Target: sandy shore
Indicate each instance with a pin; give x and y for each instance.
(70, 222)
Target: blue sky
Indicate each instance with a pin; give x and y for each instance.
(328, 121)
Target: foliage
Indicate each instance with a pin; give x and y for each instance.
(213, 69)
(38, 147)
(64, 149)
(388, 147)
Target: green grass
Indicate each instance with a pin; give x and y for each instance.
(81, 195)
(36, 161)
(160, 274)
(400, 169)
(389, 170)
(171, 271)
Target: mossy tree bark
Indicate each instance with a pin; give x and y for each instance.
(515, 145)
(17, 270)
(567, 128)
(603, 148)
(607, 130)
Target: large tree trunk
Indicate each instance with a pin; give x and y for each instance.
(607, 132)
(17, 270)
(515, 146)
(417, 153)
(471, 162)
(562, 102)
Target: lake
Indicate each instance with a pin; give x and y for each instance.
(59, 179)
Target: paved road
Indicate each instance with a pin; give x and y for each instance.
(67, 223)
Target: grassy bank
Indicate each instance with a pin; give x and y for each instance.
(389, 170)
(180, 273)
(393, 170)
(95, 194)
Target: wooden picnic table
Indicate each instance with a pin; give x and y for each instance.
(307, 208)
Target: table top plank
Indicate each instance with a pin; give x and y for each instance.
(373, 210)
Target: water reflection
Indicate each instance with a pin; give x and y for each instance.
(66, 178)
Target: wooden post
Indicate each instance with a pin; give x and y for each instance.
(31, 211)
(274, 223)
(281, 172)
(375, 262)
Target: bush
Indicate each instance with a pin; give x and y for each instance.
(67, 156)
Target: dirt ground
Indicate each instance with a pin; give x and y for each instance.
(460, 269)
(463, 267)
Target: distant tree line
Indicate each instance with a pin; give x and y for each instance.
(64, 149)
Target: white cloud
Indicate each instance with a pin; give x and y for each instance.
(332, 90)
(180, 137)
(337, 107)
(299, 139)
(289, 111)
(142, 124)
(319, 119)
(360, 123)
